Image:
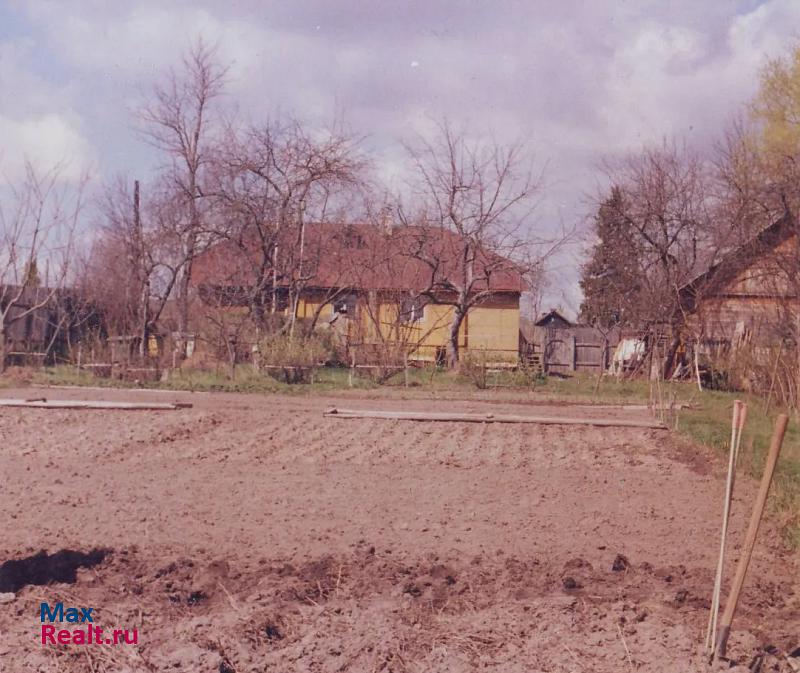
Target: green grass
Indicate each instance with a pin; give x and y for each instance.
(585, 389)
(247, 380)
(711, 425)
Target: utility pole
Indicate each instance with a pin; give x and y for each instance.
(144, 300)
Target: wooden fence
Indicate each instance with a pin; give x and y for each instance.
(564, 350)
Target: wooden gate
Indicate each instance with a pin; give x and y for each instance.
(574, 349)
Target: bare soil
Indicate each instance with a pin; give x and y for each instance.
(249, 533)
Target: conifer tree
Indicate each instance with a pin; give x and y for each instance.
(610, 278)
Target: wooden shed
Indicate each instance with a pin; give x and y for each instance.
(42, 323)
(560, 346)
(751, 295)
(553, 319)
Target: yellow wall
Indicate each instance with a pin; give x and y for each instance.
(491, 328)
(494, 328)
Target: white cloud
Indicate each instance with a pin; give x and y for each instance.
(37, 123)
(45, 141)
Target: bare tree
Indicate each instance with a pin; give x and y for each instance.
(273, 180)
(38, 220)
(135, 256)
(746, 199)
(663, 201)
(468, 227)
(181, 120)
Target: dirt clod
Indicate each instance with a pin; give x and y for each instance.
(570, 583)
(196, 597)
(620, 563)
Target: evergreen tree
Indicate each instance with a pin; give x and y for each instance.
(610, 280)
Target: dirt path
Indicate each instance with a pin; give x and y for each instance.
(250, 533)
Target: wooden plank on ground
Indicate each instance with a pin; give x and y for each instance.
(124, 389)
(489, 418)
(43, 403)
(645, 407)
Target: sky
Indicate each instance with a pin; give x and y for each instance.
(578, 82)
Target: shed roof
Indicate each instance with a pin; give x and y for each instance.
(553, 315)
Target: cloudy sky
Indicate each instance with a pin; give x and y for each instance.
(577, 80)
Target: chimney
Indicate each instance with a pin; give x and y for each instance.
(386, 220)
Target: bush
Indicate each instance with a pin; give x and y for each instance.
(293, 359)
(473, 366)
(527, 376)
(384, 360)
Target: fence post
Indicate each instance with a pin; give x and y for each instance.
(573, 353)
(544, 355)
(352, 369)
(405, 370)
(80, 353)
(604, 356)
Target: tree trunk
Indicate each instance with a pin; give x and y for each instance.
(182, 301)
(796, 400)
(452, 339)
(232, 360)
(144, 336)
(299, 273)
(669, 361)
(2, 345)
(274, 307)
(183, 297)
(144, 299)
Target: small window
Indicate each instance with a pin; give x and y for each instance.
(412, 309)
(346, 305)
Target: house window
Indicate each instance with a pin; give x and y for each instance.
(412, 309)
(346, 305)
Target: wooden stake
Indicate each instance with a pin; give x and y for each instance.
(752, 532)
(772, 379)
(742, 420)
(489, 418)
(697, 367)
(711, 632)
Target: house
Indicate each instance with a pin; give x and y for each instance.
(377, 288)
(751, 295)
(40, 324)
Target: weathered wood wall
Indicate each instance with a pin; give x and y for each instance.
(574, 349)
(753, 301)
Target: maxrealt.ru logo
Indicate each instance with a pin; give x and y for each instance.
(85, 634)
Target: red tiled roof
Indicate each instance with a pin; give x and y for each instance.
(360, 256)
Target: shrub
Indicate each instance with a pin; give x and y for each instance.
(473, 366)
(292, 359)
(527, 376)
(384, 360)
